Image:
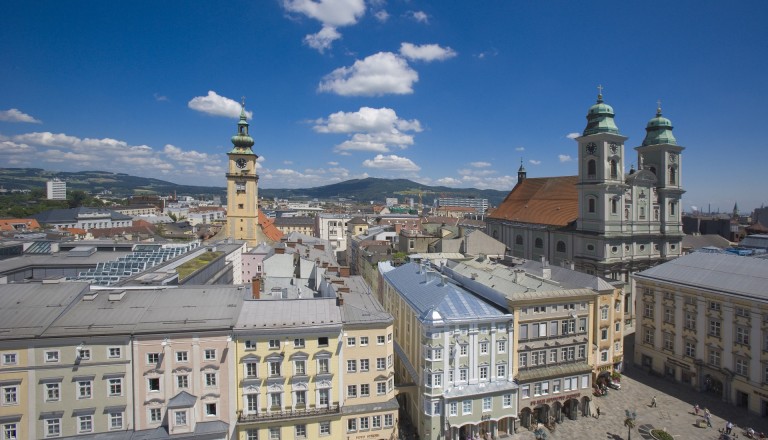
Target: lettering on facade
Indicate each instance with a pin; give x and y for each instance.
(554, 399)
(678, 363)
(367, 436)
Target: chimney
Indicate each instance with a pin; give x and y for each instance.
(398, 227)
(344, 271)
(546, 271)
(339, 300)
(279, 250)
(256, 287)
(320, 247)
(519, 275)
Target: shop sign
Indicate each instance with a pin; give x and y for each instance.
(554, 399)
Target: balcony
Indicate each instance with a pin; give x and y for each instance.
(288, 414)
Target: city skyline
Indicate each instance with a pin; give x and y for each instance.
(442, 94)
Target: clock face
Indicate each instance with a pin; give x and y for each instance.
(614, 148)
(672, 157)
(241, 163)
(591, 148)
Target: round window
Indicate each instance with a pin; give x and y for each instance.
(615, 249)
(642, 247)
(590, 247)
(626, 247)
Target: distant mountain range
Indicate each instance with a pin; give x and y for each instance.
(359, 190)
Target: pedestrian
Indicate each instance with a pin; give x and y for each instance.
(728, 427)
(598, 412)
(709, 419)
(696, 409)
(653, 402)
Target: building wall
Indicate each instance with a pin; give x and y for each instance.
(712, 342)
(15, 389)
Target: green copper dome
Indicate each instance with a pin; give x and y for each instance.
(659, 131)
(242, 140)
(600, 118)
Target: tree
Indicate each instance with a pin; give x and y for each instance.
(76, 198)
(629, 422)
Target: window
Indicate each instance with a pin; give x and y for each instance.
(322, 341)
(538, 243)
(614, 211)
(388, 420)
(351, 425)
(182, 381)
(714, 357)
(210, 354)
(182, 356)
(52, 427)
(116, 420)
(526, 393)
(301, 431)
(115, 386)
(350, 342)
(365, 390)
(591, 169)
(648, 310)
(252, 403)
(501, 371)
(325, 428)
(84, 424)
(364, 420)
(690, 349)
(617, 326)
(466, 407)
(322, 366)
(714, 328)
(604, 356)
(437, 354)
(560, 247)
(669, 315)
(10, 432)
(519, 240)
(84, 354)
(690, 320)
(251, 369)
(153, 384)
(582, 325)
(153, 358)
(210, 409)
(250, 345)
(389, 360)
(742, 367)
(180, 418)
(52, 392)
(613, 169)
(604, 312)
(582, 351)
(324, 397)
(84, 390)
(275, 400)
(351, 366)
(10, 395)
(363, 340)
(380, 339)
(537, 389)
(453, 408)
(714, 306)
(210, 379)
(648, 336)
(501, 346)
(463, 350)
(301, 398)
(155, 415)
(604, 333)
(742, 335)
(9, 358)
(274, 344)
(556, 386)
(523, 360)
(351, 390)
(381, 388)
(274, 433)
(274, 369)
(591, 205)
(51, 356)
(553, 356)
(381, 363)
(487, 404)
(483, 348)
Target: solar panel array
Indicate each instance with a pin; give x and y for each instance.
(143, 257)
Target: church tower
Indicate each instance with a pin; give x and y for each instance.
(242, 186)
(601, 171)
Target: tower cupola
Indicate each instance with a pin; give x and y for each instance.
(659, 130)
(521, 174)
(600, 117)
(242, 140)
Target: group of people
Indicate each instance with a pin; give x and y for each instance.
(707, 415)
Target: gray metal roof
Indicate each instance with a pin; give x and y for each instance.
(360, 306)
(281, 315)
(568, 278)
(71, 215)
(726, 273)
(152, 311)
(434, 298)
(182, 400)
(27, 310)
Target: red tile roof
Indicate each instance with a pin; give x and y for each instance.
(552, 201)
(268, 228)
(16, 224)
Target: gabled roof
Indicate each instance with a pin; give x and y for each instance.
(268, 228)
(550, 201)
(182, 400)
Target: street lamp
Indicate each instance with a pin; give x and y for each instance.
(629, 422)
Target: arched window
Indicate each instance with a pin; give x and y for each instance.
(519, 239)
(653, 170)
(614, 206)
(591, 204)
(672, 175)
(591, 169)
(538, 244)
(560, 247)
(614, 170)
(495, 234)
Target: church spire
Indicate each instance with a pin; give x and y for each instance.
(242, 140)
(659, 130)
(600, 117)
(521, 174)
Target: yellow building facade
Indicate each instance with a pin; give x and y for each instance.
(14, 392)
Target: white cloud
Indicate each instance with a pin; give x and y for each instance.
(564, 157)
(15, 115)
(426, 52)
(419, 16)
(448, 181)
(488, 53)
(331, 13)
(534, 162)
(185, 157)
(160, 98)
(477, 173)
(391, 162)
(287, 162)
(372, 129)
(333, 164)
(378, 74)
(381, 15)
(520, 149)
(323, 39)
(572, 135)
(216, 105)
(289, 178)
(480, 164)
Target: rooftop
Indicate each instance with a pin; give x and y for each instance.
(300, 314)
(546, 200)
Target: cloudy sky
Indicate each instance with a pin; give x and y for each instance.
(441, 92)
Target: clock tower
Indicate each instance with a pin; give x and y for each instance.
(242, 186)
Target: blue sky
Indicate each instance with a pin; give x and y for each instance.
(441, 92)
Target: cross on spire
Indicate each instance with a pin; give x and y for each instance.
(658, 109)
(243, 100)
(600, 89)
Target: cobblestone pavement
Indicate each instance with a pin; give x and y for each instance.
(674, 411)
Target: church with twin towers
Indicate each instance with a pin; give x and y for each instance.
(603, 221)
